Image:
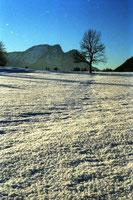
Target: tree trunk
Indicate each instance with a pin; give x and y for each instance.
(90, 66)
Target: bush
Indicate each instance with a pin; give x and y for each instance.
(107, 70)
(3, 55)
(55, 68)
(84, 69)
(47, 68)
(76, 69)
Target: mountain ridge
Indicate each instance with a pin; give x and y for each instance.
(44, 57)
(127, 66)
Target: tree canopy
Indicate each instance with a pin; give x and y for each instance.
(92, 50)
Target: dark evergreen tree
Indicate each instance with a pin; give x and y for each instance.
(3, 55)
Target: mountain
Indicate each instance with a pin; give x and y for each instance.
(45, 57)
(126, 66)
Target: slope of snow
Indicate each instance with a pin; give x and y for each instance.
(66, 135)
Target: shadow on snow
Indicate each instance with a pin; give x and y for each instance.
(33, 78)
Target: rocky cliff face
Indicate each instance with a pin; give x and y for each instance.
(44, 57)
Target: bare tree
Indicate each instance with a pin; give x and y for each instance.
(92, 50)
(3, 55)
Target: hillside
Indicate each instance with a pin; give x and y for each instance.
(45, 57)
(126, 66)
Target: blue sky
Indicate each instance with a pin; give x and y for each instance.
(31, 22)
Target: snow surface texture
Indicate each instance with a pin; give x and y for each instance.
(66, 136)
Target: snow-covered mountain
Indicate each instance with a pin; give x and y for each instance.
(45, 57)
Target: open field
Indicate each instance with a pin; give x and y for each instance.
(66, 136)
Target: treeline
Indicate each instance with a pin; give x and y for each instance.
(74, 69)
(107, 70)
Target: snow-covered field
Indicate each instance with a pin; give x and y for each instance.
(66, 136)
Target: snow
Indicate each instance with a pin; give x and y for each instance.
(66, 135)
(30, 56)
(44, 57)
